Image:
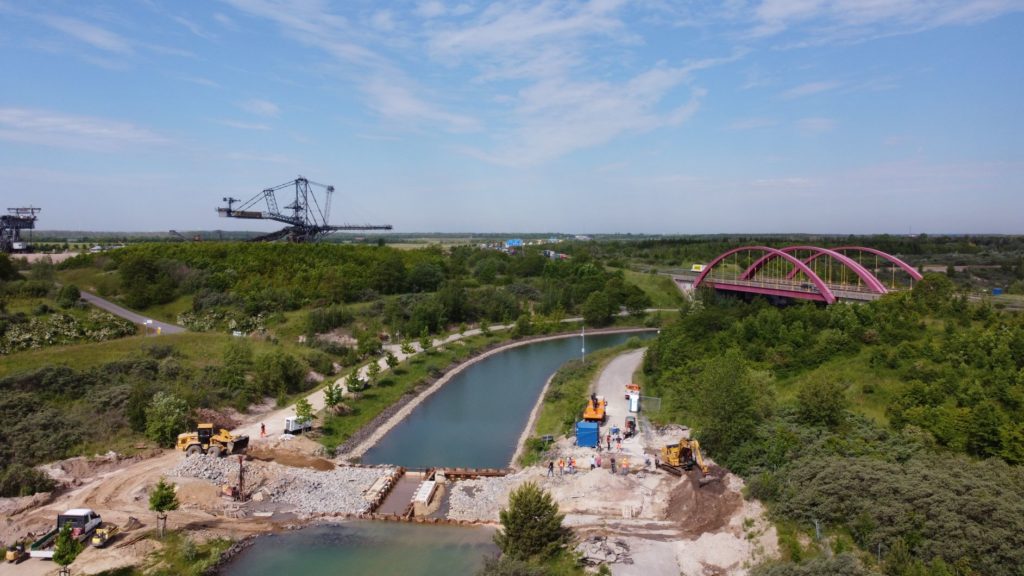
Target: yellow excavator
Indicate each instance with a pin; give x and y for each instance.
(682, 456)
(204, 441)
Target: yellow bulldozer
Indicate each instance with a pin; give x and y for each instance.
(682, 456)
(204, 441)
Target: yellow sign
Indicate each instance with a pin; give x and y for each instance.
(697, 268)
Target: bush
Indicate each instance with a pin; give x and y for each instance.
(822, 402)
(166, 417)
(279, 373)
(21, 480)
(68, 296)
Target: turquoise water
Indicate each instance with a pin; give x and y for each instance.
(476, 419)
(372, 548)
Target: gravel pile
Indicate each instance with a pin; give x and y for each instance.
(337, 491)
(210, 468)
(480, 499)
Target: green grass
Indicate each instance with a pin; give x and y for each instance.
(869, 389)
(201, 349)
(660, 288)
(169, 312)
(91, 279)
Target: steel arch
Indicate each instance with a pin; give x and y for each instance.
(903, 265)
(823, 288)
(872, 282)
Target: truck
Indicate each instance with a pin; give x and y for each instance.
(296, 425)
(595, 410)
(83, 522)
(104, 534)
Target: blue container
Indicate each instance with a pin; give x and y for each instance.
(997, 291)
(587, 434)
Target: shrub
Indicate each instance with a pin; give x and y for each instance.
(166, 417)
(531, 526)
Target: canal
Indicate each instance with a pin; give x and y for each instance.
(476, 419)
(379, 548)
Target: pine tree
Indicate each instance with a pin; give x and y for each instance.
(66, 548)
(531, 525)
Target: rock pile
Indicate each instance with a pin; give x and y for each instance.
(598, 550)
(337, 491)
(480, 499)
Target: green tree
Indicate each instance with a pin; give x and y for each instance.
(426, 342)
(67, 548)
(279, 373)
(373, 372)
(68, 296)
(730, 404)
(163, 499)
(391, 360)
(485, 327)
(7, 270)
(531, 526)
(597, 310)
(353, 382)
(523, 327)
(304, 411)
(407, 348)
(822, 402)
(508, 566)
(166, 417)
(332, 395)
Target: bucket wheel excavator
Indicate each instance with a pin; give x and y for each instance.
(306, 216)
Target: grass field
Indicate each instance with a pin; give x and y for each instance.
(658, 287)
(200, 349)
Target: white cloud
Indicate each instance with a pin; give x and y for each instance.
(225, 21)
(814, 126)
(810, 88)
(751, 124)
(260, 107)
(192, 27)
(90, 34)
(243, 125)
(430, 9)
(47, 128)
(823, 21)
(383, 20)
(392, 100)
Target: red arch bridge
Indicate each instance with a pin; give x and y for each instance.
(809, 272)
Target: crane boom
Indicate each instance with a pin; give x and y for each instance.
(305, 216)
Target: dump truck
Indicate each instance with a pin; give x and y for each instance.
(104, 534)
(204, 441)
(83, 522)
(595, 410)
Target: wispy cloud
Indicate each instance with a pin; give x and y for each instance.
(48, 128)
(395, 101)
(243, 125)
(89, 33)
(200, 81)
(430, 9)
(816, 22)
(225, 21)
(810, 88)
(260, 107)
(751, 124)
(193, 27)
(814, 126)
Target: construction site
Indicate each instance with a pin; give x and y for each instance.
(640, 500)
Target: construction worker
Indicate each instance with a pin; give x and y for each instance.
(593, 462)
(551, 468)
(263, 430)
(613, 464)
(608, 439)
(561, 466)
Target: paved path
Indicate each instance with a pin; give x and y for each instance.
(612, 385)
(135, 317)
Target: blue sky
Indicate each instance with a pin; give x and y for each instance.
(650, 116)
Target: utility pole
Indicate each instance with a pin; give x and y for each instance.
(583, 348)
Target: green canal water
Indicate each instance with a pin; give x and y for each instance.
(377, 548)
(475, 420)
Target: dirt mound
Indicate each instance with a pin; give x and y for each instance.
(219, 419)
(699, 509)
(290, 458)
